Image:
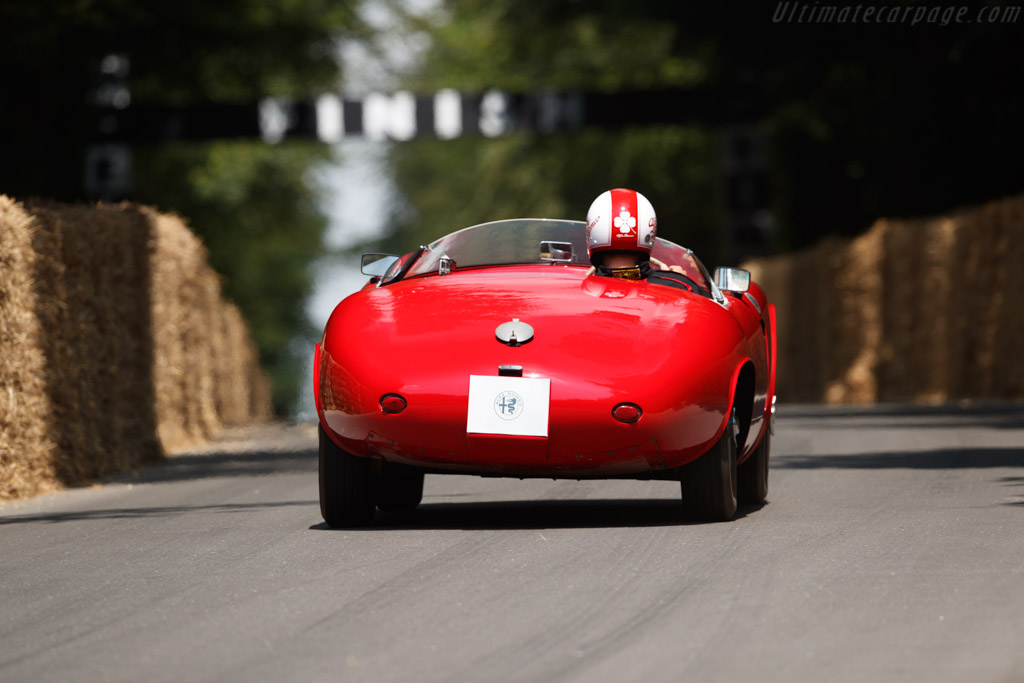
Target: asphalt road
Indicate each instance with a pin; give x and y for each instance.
(891, 549)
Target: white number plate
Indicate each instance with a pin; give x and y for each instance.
(517, 406)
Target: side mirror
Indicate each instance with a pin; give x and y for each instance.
(375, 265)
(732, 279)
(556, 252)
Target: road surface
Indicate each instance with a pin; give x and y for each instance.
(891, 549)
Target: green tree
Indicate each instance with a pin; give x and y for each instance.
(180, 51)
(253, 206)
(865, 118)
(525, 47)
(250, 202)
(451, 184)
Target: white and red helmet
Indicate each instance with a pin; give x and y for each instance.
(621, 221)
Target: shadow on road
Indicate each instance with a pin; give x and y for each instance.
(212, 465)
(140, 513)
(938, 459)
(1013, 481)
(538, 514)
(900, 416)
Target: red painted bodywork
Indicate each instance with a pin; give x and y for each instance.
(601, 341)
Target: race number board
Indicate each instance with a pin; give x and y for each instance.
(516, 406)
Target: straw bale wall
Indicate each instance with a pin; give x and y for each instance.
(921, 309)
(115, 344)
(206, 369)
(26, 449)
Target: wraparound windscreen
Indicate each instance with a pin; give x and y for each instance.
(518, 241)
(503, 243)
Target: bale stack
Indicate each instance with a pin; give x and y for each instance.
(26, 446)
(185, 292)
(1006, 313)
(916, 357)
(921, 310)
(207, 370)
(241, 390)
(91, 275)
(114, 343)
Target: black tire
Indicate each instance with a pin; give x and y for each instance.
(401, 488)
(753, 474)
(348, 486)
(709, 483)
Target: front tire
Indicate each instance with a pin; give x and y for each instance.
(753, 474)
(348, 486)
(708, 484)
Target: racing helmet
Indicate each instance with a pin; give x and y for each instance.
(621, 220)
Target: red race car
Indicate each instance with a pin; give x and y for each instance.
(497, 351)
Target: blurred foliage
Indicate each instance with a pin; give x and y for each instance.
(877, 119)
(252, 206)
(863, 119)
(180, 51)
(525, 47)
(257, 210)
(249, 202)
(451, 184)
(184, 50)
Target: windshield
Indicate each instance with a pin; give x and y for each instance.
(519, 240)
(672, 254)
(503, 243)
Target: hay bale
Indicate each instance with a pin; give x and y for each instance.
(947, 288)
(26, 445)
(184, 289)
(855, 336)
(802, 288)
(988, 318)
(92, 274)
(206, 369)
(1007, 314)
(922, 344)
(919, 309)
(242, 392)
(900, 266)
(114, 344)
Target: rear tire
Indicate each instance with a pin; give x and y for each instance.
(348, 486)
(708, 484)
(401, 488)
(753, 474)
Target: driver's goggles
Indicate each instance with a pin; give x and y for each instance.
(626, 273)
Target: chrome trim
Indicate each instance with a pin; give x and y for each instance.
(732, 279)
(514, 333)
(752, 301)
(717, 293)
(552, 248)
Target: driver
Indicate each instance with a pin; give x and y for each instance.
(621, 226)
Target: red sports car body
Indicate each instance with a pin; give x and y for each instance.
(495, 351)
